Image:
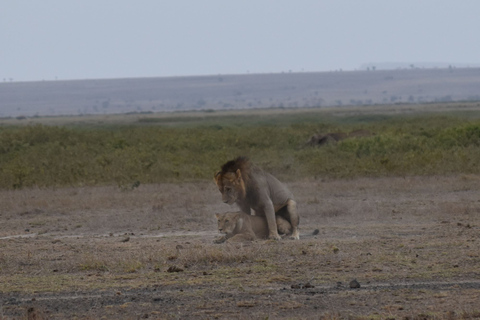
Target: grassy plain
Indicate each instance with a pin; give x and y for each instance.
(180, 147)
(395, 211)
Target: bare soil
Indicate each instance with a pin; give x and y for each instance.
(411, 243)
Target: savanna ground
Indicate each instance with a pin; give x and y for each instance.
(91, 250)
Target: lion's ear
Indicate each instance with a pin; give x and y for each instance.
(217, 215)
(238, 174)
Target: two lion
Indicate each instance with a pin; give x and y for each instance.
(248, 186)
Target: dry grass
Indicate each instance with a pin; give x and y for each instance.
(379, 231)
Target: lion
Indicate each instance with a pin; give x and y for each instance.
(250, 187)
(239, 226)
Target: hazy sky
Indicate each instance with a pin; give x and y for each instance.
(80, 39)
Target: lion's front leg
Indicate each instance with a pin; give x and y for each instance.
(271, 221)
(242, 237)
(244, 207)
(224, 238)
(220, 240)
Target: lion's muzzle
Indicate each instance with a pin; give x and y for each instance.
(229, 201)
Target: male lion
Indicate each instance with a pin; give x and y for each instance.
(239, 226)
(250, 187)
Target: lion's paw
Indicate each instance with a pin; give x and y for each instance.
(274, 237)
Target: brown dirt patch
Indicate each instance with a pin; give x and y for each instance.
(412, 244)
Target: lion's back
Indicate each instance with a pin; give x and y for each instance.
(279, 193)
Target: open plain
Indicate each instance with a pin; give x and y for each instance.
(112, 217)
(98, 252)
(233, 92)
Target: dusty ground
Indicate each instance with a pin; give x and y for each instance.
(413, 245)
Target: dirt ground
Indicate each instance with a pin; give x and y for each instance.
(412, 244)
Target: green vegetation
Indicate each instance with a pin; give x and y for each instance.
(185, 148)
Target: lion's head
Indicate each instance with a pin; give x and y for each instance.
(227, 222)
(230, 181)
(230, 185)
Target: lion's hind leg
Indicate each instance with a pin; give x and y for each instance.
(283, 226)
(294, 218)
